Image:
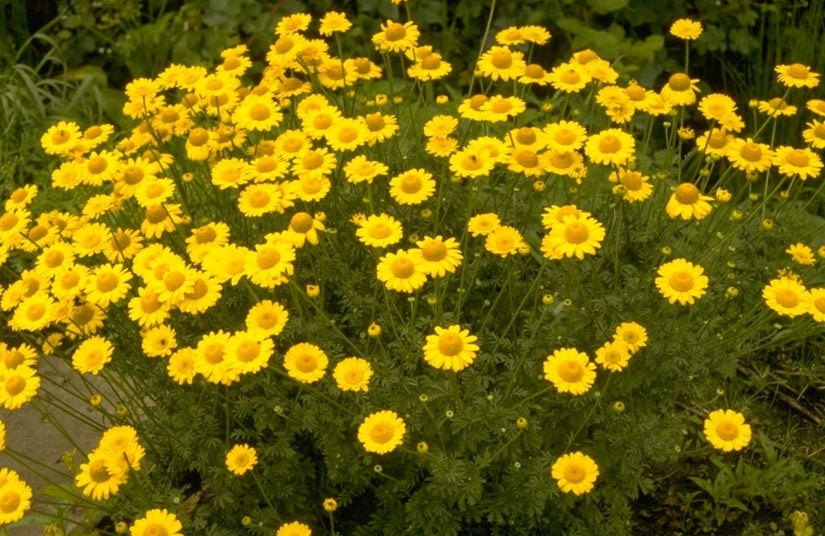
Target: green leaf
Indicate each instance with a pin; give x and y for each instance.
(608, 6)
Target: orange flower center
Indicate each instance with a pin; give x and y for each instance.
(565, 136)
(155, 189)
(375, 122)
(411, 183)
(501, 106)
(431, 62)
(819, 303)
(381, 433)
(395, 32)
(199, 290)
(259, 199)
(173, 280)
(312, 160)
(450, 344)
(267, 320)
(293, 145)
(571, 371)
(15, 385)
(380, 230)
(787, 298)
(574, 473)
(97, 165)
(301, 222)
(61, 136)
(402, 268)
(284, 45)
(631, 180)
(586, 56)
(609, 144)
(306, 363)
(570, 76)
(155, 529)
(526, 136)
(198, 136)
(35, 311)
(14, 359)
(797, 158)
(266, 164)
(132, 175)
(751, 152)
(501, 59)
(527, 159)
(635, 92)
(205, 234)
(53, 258)
(576, 233)
(727, 431)
(534, 71)
(322, 121)
(8, 221)
(231, 63)
(107, 282)
(681, 282)
(354, 376)
(259, 112)
(37, 232)
(362, 65)
(561, 160)
(267, 258)
(819, 131)
(434, 251)
(687, 194)
(679, 82)
(213, 353)
(347, 134)
(476, 101)
(798, 71)
(247, 351)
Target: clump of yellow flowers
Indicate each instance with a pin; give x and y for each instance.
(289, 280)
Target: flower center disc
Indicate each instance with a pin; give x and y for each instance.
(751, 152)
(527, 159)
(395, 32)
(727, 431)
(501, 59)
(15, 385)
(380, 230)
(576, 233)
(526, 136)
(381, 433)
(679, 82)
(306, 363)
(450, 344)
(571, 371)
(98, 472)
(798, 71)
(797, 158)
(301, 222)
(681, 282)
(259, 112)
(403, 268)
(609, 144)
(574, 473)
(268, 258)
(687, 194)
(632, 181)
(106, 282)
(787, 298)
(411, 184)
(434, 251)
(9, 502)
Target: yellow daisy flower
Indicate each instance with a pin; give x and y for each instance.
(157, 521)
(574, 236)
(682, 281)
(687, 202)
(305, 362)
(412, 187)
(686, 29)
(612, 146)
(450, 348)
(793, 162)
(401, 271)
(796, 75)
(726, 430)
(241, 458)
(786, 296)
(575, 473)
(570, 371)
(382, 432)
(353, 374)
(379, 231)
